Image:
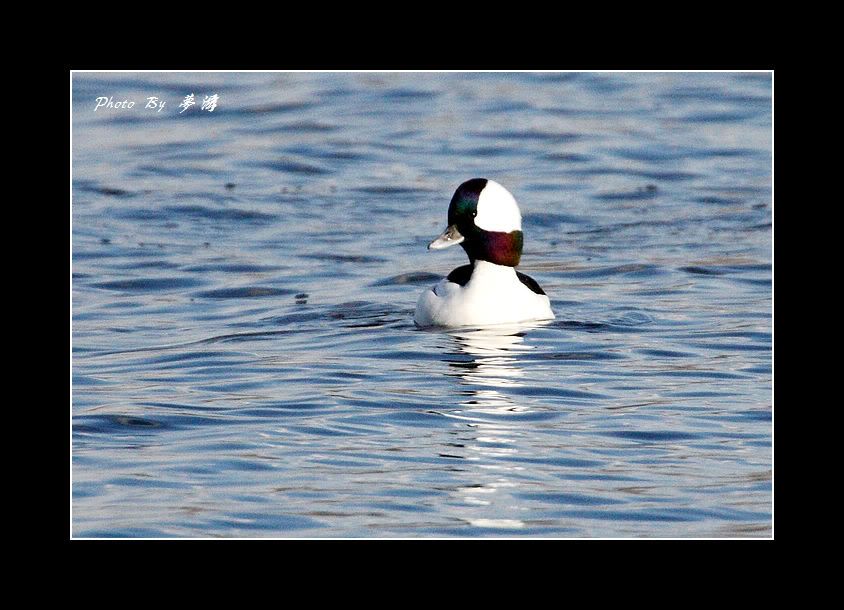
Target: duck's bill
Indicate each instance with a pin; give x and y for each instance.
(450, 237)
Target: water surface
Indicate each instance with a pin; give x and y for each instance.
(244, 358)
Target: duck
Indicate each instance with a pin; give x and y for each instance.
(483, 218)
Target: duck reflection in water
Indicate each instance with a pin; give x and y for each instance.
(488, 364)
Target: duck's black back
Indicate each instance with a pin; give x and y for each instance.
(463, 274)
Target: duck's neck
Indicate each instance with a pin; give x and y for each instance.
(495, 247)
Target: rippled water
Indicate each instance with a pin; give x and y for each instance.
(244, 358)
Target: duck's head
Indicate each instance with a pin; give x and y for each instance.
(484, 218)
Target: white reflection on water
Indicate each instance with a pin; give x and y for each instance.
(492, 414)
(494, 366)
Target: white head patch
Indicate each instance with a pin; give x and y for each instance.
(497, 209)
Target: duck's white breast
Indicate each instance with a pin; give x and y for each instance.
(493, 295)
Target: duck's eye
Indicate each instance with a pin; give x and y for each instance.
(474, 213)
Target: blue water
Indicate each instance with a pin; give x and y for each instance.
(244, 358)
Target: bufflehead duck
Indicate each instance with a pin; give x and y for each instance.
(484, 218)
